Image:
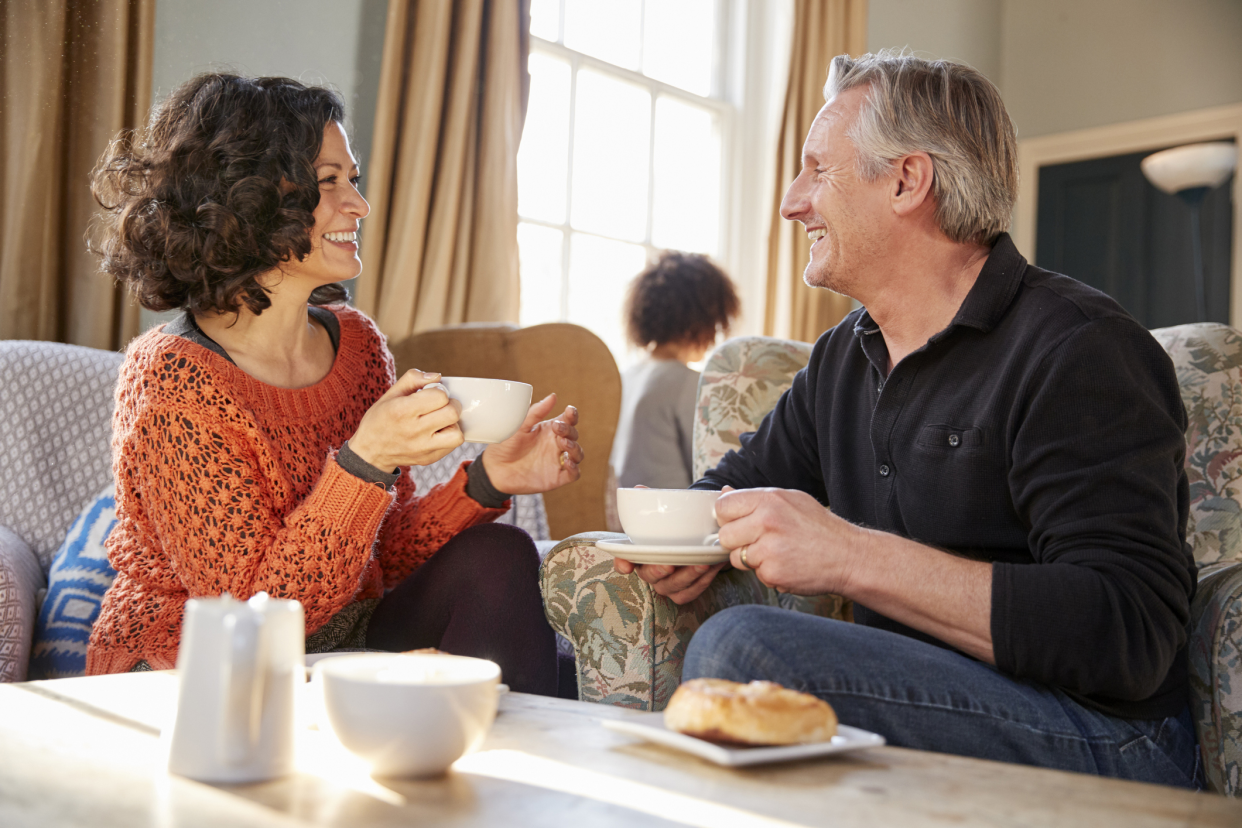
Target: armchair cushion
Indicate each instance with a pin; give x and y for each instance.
(1216, 676)
(77, 581)
(56, 405)
(740, 384)
(21, 578)
(1208, 359)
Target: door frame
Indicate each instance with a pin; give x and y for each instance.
(1214, 124)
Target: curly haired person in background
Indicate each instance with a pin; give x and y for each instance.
(674, 310)
(261, 440)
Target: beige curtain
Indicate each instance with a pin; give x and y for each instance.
(73, 73)
(440, 246)
(822, 30)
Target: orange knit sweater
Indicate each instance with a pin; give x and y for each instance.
(226, 484)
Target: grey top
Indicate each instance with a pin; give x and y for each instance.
(654, 434)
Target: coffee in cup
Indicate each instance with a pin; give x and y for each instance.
(492, 410)
(668, 517)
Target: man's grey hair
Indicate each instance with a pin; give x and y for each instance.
(949, 111)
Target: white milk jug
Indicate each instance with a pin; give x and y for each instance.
(240, 664)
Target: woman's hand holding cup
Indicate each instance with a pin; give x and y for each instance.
(414, 424)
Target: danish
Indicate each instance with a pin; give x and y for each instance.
(759, 713)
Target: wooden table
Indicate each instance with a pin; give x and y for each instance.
(87, 752)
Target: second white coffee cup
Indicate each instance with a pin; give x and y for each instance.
(668, 517)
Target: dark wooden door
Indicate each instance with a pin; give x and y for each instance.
(1101, 222)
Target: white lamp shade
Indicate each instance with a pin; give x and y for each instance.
(1194, 165)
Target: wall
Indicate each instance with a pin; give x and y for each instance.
(963, 30)
(1070, 64)
(1065, 65)
(335, 43)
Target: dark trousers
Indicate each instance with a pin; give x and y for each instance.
(921, 696)
(477, 596)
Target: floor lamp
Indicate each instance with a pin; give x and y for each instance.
(1190, 172)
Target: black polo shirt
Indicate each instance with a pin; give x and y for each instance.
(1041, 431)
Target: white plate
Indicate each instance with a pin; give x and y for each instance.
(668, 555)
(650, 726)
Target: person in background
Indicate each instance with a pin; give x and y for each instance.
(262, 440)
(674, 311)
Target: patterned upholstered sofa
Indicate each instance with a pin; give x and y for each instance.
(55, 409)
(630, 642)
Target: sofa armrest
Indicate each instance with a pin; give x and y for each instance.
(1216, 676)
(21, 578)
(629, 642)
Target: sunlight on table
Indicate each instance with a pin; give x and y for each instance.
(537, 771)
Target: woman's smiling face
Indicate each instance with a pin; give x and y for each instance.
(334, 238)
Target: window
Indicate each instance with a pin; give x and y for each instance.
(623, 151)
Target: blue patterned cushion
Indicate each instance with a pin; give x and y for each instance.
(76, 583)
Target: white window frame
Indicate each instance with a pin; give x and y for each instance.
(718, 103)
(749, 81)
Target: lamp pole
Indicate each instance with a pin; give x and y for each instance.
(1193, 196)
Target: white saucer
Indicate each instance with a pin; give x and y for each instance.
(666, 555)
(650, 726)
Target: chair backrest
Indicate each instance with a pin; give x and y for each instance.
(1208, 359)
(741, 382)
(560, 357)
(56, 406)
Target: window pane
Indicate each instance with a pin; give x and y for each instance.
(539, 254)
(678, 36)
(545, 18)
(599, 272)
(606, 29)
(686, 210)
(611, 148)
(543, 158)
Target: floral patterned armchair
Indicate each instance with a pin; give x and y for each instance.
(1208, 358)
(630, 642)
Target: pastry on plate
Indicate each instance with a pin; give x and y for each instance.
(759, 713)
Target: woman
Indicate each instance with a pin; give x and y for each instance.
(259, 439)
(674, 311)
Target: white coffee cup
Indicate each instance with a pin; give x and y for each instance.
(668, 517)
(492, 410)
(408, 714)
(240, 664)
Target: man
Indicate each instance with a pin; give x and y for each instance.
(1000, 452)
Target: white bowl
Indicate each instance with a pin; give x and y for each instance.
(491, 410)
(668, 517)
(408, 714)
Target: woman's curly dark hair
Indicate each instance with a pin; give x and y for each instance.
(681, 298)
(219, 189)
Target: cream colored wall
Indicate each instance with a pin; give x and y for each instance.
(962, 30)
(1073, 64)
(1066, 65)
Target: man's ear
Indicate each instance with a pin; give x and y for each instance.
(911, 187)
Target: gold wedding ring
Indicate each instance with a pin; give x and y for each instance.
(564, 456)
(742, 554)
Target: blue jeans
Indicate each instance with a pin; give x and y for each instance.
(920, 696)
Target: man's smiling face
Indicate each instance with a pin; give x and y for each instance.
(845, 217)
